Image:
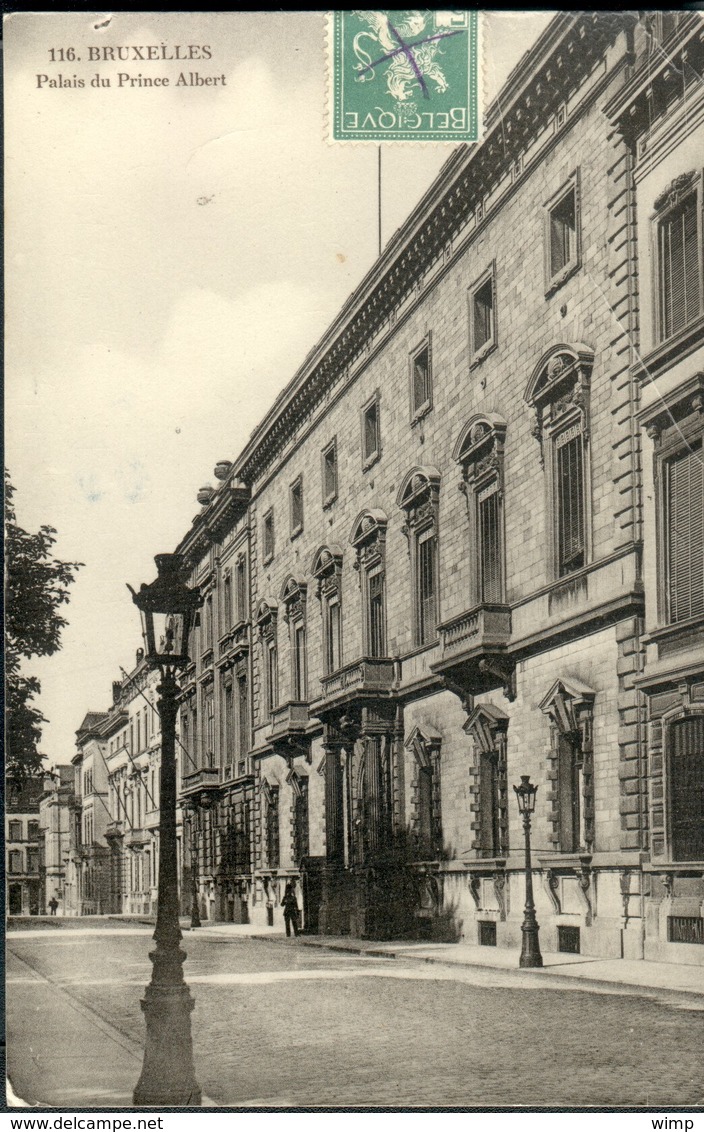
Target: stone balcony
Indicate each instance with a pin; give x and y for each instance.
(367, 678)
(473, 648)
(290, 720)
(202, 781)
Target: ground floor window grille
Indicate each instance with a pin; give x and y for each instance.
(685, 929)
(568, 940)
(487, 933)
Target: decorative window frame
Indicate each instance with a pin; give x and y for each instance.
(241, 614)
(368, 537)
(326, 568)
(487, 726)
(559, 394)
(268, 536)
(419, 497)
(674, 424)
(330, 496)
(272, 806)
(370, 458)
(425, 744)
(422, 410)
(295, 489)
(294, 600)
(267, 625)
(478, 353)
(569, 706)
(296, 780)
(553, 281)
(661, 784)
(682, 186)
(480, 453)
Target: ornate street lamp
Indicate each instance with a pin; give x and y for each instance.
(167, 608)
(530, 951)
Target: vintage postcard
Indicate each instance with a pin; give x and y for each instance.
(355, 563)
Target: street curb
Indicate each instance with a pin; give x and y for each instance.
(568, 980)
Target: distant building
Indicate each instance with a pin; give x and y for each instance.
(55, 809)
(22, 848)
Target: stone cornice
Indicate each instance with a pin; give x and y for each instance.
(559, 62)
(229, 504)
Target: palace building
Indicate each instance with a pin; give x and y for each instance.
(465, 545)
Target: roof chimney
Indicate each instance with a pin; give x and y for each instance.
(116, 690)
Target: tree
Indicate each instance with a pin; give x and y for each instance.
(36, 585)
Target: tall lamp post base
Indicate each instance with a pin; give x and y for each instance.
(530, 951)
(168, 1076)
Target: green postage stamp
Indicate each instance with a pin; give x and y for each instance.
(404, 76)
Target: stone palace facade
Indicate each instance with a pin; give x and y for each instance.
(465, 545)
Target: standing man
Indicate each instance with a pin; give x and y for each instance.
(290, 907)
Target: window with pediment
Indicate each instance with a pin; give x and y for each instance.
(558, 392)
(271, 803)
(675, 424)
(487, 726)
(419, 497)
(678, 251)
(369, 540)
(300, 824)
(480, 453)
(293, 598)
(267, 617)
(327, 570)
(425, 742)
(570, 707)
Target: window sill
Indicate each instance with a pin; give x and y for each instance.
(370, 461)
(483, 352)
(421, 413)
(558, 280)
(675, 627)
(267, 559)
(662, 356)
(329, 500)
(294, 534)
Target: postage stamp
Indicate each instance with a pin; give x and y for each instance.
(404, 76)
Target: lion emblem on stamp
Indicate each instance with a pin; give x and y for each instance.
(404, 75)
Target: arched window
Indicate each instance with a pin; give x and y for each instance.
(267, 616)
(293, 598)
(369, 540)
(326, 568)
(558, 392)
(418, 496)
(480, 452)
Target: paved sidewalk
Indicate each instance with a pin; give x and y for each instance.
(679, 978)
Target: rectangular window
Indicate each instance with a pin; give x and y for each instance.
(241, 594)
(684, 535)
(679, 262)
(228, 723)
(563, 233)
(209, 731)
(490, 548)
(421, 380)
(14, 862)
(208, 644)
(242, 716)
(14, 831)
(371, 441)
(426, 584)
(296, 504)
(268, 539)
(330, 472)
(300, 822)
(272, 828)
(568, 939)
(487, 933)
(685, 740)
(227, 602)
(299, 662)
(425, 812)
(272, 676)
(482, 322)
(333, 637)
(571, 542)
(377, 616)
(33, 831)
(570, 786)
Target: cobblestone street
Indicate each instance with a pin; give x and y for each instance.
(291, 1025)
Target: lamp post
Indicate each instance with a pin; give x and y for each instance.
(530, 951)
(167, 607)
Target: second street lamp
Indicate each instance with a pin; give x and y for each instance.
(167, 607)
(530, 951)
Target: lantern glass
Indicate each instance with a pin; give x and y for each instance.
(167, 608)
(525, 795)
